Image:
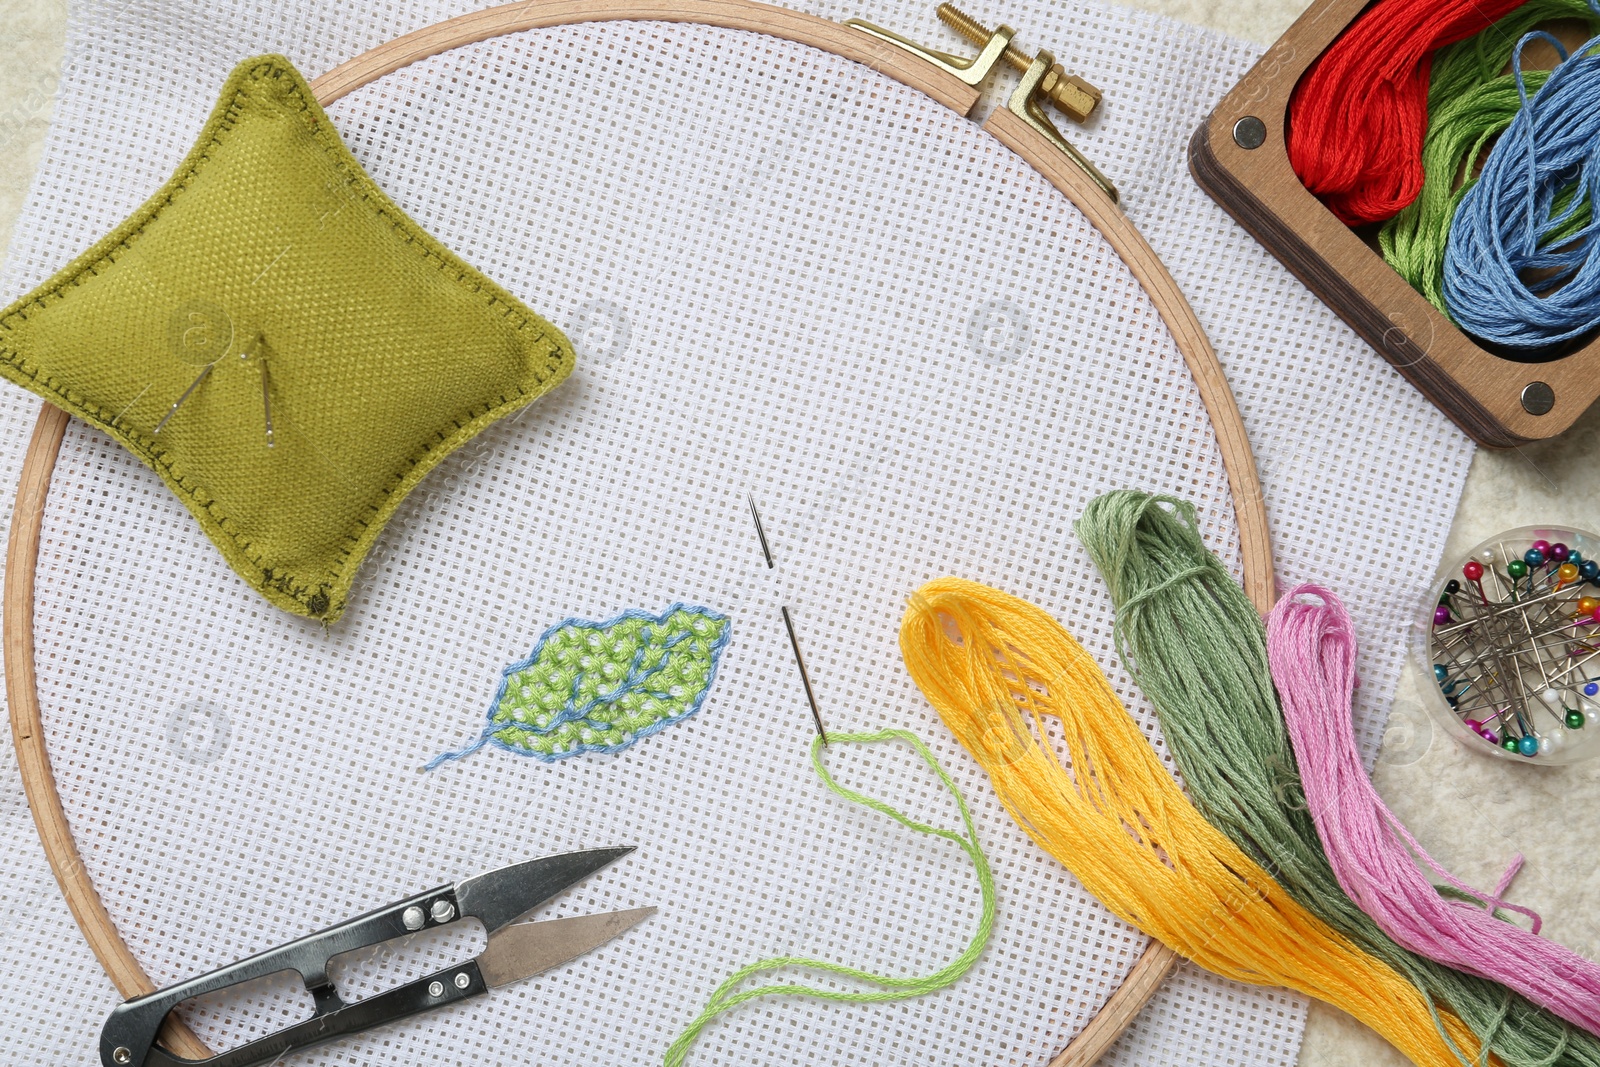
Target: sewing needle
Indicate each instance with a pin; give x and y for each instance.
(805, 679)
(760, 531)
(173, 410)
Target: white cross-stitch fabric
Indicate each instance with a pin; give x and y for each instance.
(788, 278)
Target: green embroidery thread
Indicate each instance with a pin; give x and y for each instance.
(601, 686)
(725, 999)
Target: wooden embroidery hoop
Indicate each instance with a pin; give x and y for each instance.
(1025, 139)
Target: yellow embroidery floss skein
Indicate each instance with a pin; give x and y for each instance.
(996, 668)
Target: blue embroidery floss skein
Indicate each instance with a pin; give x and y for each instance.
(1518, 270)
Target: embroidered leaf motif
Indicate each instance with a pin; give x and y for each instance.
(600, 686)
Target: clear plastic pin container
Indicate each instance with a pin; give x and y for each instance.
(1508, 640)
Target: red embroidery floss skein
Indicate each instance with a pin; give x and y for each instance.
(1357, 117)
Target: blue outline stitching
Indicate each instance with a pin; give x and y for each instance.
(570, 714)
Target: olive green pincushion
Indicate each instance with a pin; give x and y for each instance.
(319, 308)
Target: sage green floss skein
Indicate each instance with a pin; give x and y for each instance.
(1195, 645)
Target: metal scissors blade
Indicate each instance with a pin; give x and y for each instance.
(502, 896)
(523, 950)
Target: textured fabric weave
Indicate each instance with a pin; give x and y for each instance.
(787, 276)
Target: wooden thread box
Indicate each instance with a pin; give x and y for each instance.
(1240, 157)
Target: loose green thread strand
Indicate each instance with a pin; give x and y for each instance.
(1470, 102)
(1196, 647)
(724, 999)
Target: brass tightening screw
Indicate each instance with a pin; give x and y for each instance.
(1072, 96)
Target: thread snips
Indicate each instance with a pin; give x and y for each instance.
(497, 898)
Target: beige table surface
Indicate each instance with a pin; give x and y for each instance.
(1472, 813)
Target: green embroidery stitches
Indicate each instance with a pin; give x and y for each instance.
(600, 686)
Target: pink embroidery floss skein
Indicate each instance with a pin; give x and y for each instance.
(1312, 652)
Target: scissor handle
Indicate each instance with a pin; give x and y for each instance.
(447, 987)
(128, 1039)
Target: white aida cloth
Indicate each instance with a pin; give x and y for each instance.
(789, 277)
